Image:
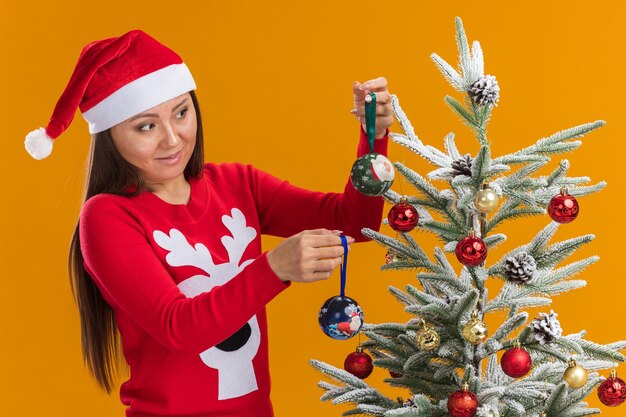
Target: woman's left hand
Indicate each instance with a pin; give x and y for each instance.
(384, 114)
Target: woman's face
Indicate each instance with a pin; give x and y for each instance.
(159, 141)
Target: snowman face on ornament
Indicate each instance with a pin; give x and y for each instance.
(382, 170)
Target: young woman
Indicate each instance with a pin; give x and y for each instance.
(167, 250)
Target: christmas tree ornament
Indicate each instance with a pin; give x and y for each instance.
(543, 414)
(403, 216)
(471, 250)
(341, 317)
(372, 174)
(575, 375)
(546, 327)
(359, 363)
(395, 374)
(486, 200)
(612, 391)
(485, 90)
(520, 268)
(475, 330)
(393, 256)
(462, 403)
(462, 166)
(516, 361)
(427, 338)
(563, 208)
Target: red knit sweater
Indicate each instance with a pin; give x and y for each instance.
(189, 282)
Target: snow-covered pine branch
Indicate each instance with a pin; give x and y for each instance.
(556, 143)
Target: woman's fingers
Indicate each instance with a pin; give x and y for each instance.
(384, 112)
(327, 266)
(308, 256)
(329, 252)
(318, 276)
(358, 93)
(321, 261)
(314, 255)
(377, 84)
(383, 99)
(321, 231)
(381, 111)
(317, 239)
(318, 269)
(383, 106)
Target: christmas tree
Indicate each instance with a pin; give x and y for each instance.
(445, 356)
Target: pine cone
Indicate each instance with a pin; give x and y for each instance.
(485, 91)
(520, 268)
(546, 328)
(462, 166)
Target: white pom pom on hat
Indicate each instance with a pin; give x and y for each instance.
(114, 79)
(39, 144)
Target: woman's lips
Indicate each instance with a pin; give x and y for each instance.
(171, 160)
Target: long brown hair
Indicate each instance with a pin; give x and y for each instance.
(108, 172)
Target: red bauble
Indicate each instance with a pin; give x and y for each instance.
(462, 403)
(612, 392)
(563, 208)
(471, 251)
(395, 374)
(403, 217)
(516, 362)
(359, 364)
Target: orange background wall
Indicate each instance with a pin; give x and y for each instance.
(275, 89)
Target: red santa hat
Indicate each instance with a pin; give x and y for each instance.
(114, 79)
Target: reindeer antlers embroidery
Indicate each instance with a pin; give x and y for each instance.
(182, 253)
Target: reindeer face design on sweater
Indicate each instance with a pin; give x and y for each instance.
(233, 357)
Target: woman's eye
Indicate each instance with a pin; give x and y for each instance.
(182, 113)
(147, 127)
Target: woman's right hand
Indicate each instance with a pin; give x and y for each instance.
(311, 255)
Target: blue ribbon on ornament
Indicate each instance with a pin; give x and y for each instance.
(370, 119)
(343, 267)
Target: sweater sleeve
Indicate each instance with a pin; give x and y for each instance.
(285, 209)
(119, 258)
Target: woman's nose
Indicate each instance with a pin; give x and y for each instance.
(171, 136)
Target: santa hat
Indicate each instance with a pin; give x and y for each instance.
(114, 79)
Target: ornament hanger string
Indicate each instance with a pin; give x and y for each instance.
(370, 119)
(344, 265)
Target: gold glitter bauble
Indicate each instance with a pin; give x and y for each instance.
(475, 330)
(427, 338)
(486, 200)
(575, 375)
